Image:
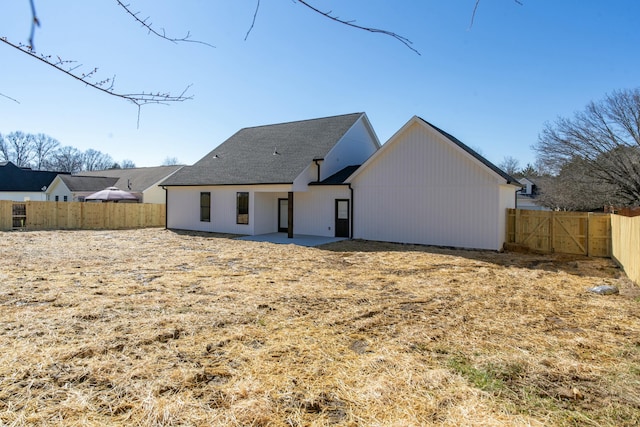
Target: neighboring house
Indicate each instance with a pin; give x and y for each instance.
(142, 182)
(330, 177)
(526, 198)
(23, 184)
(74, 188)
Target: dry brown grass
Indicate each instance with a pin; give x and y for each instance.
(153, 327)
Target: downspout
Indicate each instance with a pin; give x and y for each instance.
(166, 207)
(351, 213)
(317, 162)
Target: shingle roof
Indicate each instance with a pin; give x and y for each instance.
(506, 176)
(338, 177)
(87, 183)
(271, 154)
(13, 178)
(134, 179)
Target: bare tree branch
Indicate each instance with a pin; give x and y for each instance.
(253, 22)
(162, 35)
(8, 97)
(398, 37)
(35, 22)
(475, 9)
(105, 85)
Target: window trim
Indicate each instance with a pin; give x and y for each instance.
(205, 208)
(242, 212)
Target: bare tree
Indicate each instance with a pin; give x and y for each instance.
(605, 138)
(94, 160)
(170, 161)
(67, 159)
(510, 165)
(43, 146)
(127, 164)
(574, 190)
(4, 149)
(19, 148)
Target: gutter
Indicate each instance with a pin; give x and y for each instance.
(317, 162)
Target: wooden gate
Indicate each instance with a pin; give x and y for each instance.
(19, 215)
(577, 233)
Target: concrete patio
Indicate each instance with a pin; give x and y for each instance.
(298, 239)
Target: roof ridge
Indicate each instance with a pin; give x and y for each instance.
(303, 121)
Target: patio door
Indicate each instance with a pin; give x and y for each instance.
(342, 218)
(283, 215)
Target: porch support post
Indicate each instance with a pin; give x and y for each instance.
(290, 216)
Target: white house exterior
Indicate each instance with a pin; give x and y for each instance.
(280, 170)
(142, 182)
(426, 187)
(527, 196)
(71, 188)
(23, 184)
(332, 178)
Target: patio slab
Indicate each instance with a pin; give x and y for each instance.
(298, 239)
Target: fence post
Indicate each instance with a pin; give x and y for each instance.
(588, 238)
(552, 240)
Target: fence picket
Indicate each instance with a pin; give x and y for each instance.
(83, 215)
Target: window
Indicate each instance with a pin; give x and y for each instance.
(57, 198)
(242, 208)
(65, 198)
(205, 206)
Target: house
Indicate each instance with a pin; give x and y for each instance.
(24, 184)
(272, 178)
(74, 188)
(142, 182)
(331, 177)
(425, 186)
(526, 198)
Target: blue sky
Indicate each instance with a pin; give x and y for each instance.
(493, 85)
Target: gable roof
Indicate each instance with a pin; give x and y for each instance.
(271, 154)
(134, 179)
(476, 155)
(415, 119)
(87, 183)
(14, 178)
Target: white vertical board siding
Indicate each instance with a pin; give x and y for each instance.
(356, 146)
(314, 210)
(423, 189)
(183, 209)
(266, 212)
(154, 194)
(507, 201)
(22, 196)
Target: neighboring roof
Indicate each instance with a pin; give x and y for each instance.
(13, 178)
(506, 176)
(87, 183)
(525, 180)
(338, 177)
(271, 154)
(134, 179)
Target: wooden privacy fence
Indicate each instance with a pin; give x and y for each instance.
(578, 233)
(625, 236)
(79, 215)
